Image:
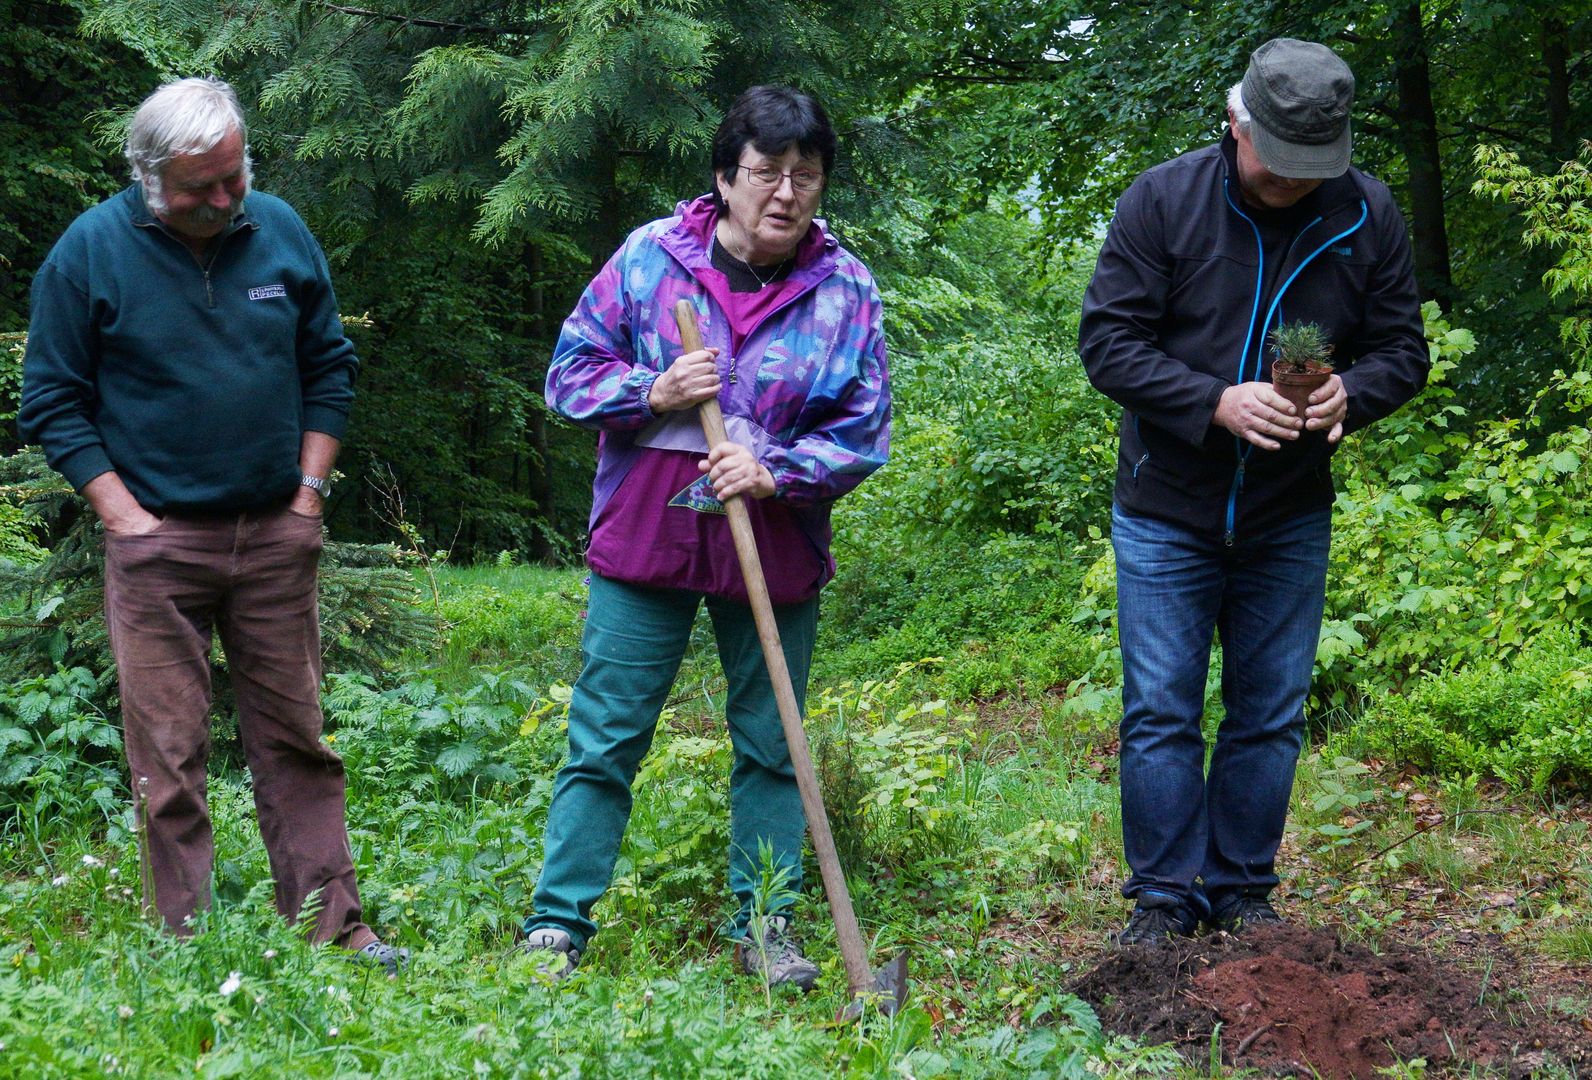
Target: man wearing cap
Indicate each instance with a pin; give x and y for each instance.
(1222, 510)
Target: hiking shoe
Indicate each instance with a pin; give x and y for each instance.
(393, 960)
(769, 952)
(1243, 912)
(562, 956)
(1151, 926)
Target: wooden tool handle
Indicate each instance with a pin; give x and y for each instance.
(849, 935)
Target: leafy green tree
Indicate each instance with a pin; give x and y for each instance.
(51, 164)
(1556, 212)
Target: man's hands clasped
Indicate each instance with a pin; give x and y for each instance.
(1256, 413)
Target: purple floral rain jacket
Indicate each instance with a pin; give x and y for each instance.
(804, 385)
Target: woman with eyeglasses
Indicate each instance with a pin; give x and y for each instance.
(795, 355)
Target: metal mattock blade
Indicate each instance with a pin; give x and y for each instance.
(888, 993)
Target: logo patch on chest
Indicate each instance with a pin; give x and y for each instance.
(267, 292)
(1341, 249)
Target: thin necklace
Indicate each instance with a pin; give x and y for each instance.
(762, 282)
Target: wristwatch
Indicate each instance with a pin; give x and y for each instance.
(320, 485)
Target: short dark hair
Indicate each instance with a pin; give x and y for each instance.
(771, 118)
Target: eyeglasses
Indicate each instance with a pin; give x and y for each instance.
(766, 176)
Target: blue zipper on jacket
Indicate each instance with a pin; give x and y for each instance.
(1242, 447)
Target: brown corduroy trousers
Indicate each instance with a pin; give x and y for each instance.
(250, 577)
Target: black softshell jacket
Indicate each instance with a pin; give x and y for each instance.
(1176, 313)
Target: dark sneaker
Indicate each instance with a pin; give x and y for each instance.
(1151, 926)
(1243, 912)
(379, 954)
(769, 952)
(561, 954)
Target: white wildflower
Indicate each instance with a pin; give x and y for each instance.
(89, 860)
(332, 1032)
(59, 880)
(230, 986)
(270, 954)
(124, 1011)
(113, 873)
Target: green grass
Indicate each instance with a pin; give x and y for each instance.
(525, 617)
(979, 817)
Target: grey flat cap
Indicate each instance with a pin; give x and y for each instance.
(1298, 95)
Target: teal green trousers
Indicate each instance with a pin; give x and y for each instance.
(633, 643)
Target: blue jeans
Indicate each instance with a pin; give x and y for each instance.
(1194, 841)
(634, 640)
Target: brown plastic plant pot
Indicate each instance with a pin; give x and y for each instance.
(1297, 386)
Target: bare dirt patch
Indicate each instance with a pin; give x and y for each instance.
(1291, 999)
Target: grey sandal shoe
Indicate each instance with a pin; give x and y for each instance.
(380, 954)
(557, 948)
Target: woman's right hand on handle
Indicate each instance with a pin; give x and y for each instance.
(690, 380)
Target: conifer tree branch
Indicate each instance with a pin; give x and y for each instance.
(413, 20)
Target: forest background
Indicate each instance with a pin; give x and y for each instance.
(467, 167)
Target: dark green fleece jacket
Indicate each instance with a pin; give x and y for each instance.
(193, 382)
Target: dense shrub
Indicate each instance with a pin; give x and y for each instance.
(1453, 546)
(1524, 722)
(996, 428)
(1000, 615)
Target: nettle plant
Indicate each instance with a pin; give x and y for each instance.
(883, 757)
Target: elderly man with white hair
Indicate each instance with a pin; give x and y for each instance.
(1222, 513)
(187, 372)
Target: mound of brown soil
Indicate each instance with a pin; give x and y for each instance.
(1290, 1000)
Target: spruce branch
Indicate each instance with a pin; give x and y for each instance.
(415, 20)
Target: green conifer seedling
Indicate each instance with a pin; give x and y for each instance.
(1302, 348)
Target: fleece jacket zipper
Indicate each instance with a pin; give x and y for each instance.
(204, 267)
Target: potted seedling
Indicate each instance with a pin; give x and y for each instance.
(1302, 363)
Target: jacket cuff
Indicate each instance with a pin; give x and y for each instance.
(648, 377)
(1213, 398)
(83, 465)
(326, 420)
(1192, 425)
